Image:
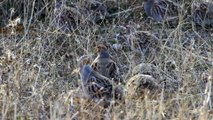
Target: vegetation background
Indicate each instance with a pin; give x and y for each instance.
(37, 60)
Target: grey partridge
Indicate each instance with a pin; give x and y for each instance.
(161, 10)
(104, 64)
(96, 86)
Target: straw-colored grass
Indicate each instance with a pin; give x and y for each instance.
(37, 62)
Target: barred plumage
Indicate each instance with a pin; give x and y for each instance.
(147, 69)
(67, 17)
(149, 78)
(141, 83)
(160, 9)
(96, 86)
(99, 11)
(104, 65)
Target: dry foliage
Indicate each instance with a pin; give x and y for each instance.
(37, 60)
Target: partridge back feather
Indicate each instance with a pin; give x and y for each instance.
(160, 77)
(147, 69)
(96, 11)
(98, 87)
(139, 84)
(160, 9)
(67, 17)
(104, 65)
(95, 85)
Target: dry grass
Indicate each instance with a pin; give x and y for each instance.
(36, 62)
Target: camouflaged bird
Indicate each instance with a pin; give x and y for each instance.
(145, 78)
(94, 11)
(104, 64)
(96, 86)
(141, 84)
(148, 77)
(147, 69)
(202, 13)
(67, 17)
(161, 10)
